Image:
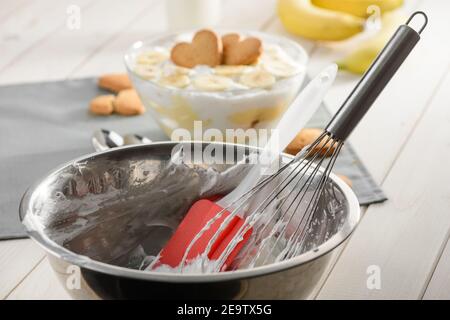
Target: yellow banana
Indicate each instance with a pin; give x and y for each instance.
(301, 18)
(361, 58)
(357, 7)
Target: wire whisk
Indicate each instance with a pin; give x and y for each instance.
(281, 210)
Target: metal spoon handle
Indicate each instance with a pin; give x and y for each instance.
(375, 79)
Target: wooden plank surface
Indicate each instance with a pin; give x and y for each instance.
(9, 9)
(403, 237)
(109, 58)
(62, 51)
(42, 283)
(439, 286)
(397, 126)
(29, 25)
(17, 260)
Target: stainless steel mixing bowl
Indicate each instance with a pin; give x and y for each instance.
(97, 214)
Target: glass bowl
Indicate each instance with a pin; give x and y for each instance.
(196, 110)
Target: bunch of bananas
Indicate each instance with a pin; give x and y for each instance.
(332, 20)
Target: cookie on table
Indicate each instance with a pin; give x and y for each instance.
(102, 105)
(128, 103)
(115, 82)
(305, 138)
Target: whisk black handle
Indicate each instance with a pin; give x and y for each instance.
(375, 79)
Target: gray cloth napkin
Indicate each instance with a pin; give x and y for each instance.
(43, 125)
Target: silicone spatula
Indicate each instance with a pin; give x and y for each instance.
(198, 215)
(202, 211)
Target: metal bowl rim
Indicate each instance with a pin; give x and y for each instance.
(85, 262)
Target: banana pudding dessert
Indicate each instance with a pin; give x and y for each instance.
(231, 80)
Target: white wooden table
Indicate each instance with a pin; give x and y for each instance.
(404, 141)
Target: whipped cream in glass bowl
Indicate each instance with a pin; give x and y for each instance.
(222, 97)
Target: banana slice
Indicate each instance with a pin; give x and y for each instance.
(152, 57)
(210, 82)
(147, 72)
(180, 70)
(257, 79)
(175, 80)
(230, 71)
(280, 68)
(169, 69)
